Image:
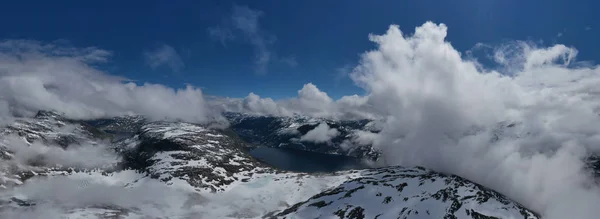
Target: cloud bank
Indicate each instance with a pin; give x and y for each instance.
(310, 101)
(36, 76)
(524, 135)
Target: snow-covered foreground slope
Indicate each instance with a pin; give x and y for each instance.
(396, 192)
(183, 170)
(133, 195)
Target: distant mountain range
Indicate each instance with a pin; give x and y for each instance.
(271, 131)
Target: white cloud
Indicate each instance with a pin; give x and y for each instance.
(36, 76)
(253, 103)
(310, 102)
(320, 134)
(443, 112)
(164, 55)
(311, 97)
(548, 56)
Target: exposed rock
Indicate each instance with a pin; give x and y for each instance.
(204, 158)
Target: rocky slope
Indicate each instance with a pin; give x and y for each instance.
(204, 158)
(121, 124)
(53, 129)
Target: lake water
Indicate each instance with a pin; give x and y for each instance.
(305, 161)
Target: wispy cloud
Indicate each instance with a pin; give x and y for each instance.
(243, 25)
(221, 34)
(164, 55)
(291, 61)
(341, 73)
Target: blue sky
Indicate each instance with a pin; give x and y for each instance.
(216, 43)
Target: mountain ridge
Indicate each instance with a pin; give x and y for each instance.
(209, 171)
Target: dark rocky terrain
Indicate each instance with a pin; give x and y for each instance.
(204, 158)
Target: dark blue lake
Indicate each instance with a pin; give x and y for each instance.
(305, 161)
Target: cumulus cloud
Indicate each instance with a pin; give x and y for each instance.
(243, 24)
(36, 76)
(313, 97)
(320, 134)
(311, 101)
(524, 135)
(164, 55)
(253, 103)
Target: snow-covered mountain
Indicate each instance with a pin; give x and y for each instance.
(184, 170)
(396, 192)
(52, 128)
(121, 124)
(202, 157)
